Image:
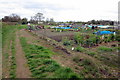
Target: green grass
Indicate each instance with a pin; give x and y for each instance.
(22, 27)
(8, 35)
(89, 68)
(13, 59)
(104, 49)
(41, 65)
(7, 32)
(91, 53)
(80, 49)
(46, 26)
(108, 55)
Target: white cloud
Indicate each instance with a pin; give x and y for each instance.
(62, 10)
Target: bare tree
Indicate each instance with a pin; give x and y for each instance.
(38, 17)
(15, 18)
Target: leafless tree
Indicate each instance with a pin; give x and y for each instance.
(39, 17)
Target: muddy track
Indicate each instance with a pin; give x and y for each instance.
(22, 67)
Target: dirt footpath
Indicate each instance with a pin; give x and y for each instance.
(22, 67)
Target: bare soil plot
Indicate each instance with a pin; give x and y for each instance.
(58, 36)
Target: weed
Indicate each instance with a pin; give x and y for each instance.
(91, 53)
(80, 49)
(104, 48)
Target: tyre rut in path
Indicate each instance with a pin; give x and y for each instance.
(22, 67)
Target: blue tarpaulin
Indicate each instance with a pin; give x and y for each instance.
(103, 32)
(63, 27)
(101, 26)
(89, 26)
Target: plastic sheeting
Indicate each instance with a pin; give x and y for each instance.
(103, 32)
(63, 27)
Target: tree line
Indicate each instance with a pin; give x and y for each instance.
(36, 19)
(39, 18)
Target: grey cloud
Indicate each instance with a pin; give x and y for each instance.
(31, 5)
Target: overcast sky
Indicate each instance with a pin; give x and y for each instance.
(62, 10)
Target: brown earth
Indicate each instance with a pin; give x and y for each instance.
(58, 36)
(22, 67)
